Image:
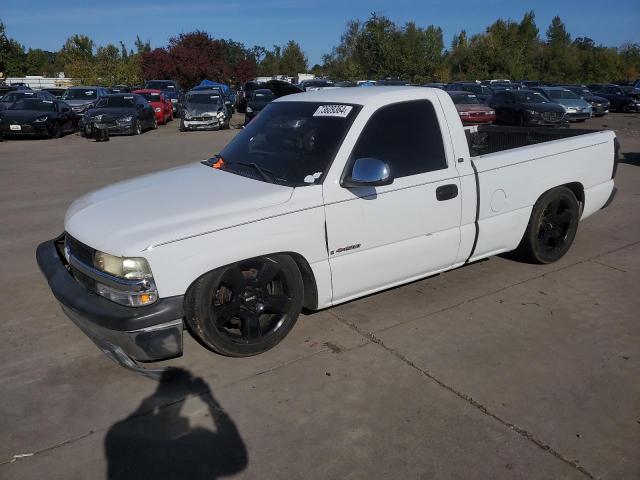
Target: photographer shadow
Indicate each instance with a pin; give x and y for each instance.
(157, 442)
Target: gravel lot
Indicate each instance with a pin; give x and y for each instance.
(495, 370)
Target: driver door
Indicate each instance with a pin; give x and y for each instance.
(379, 236)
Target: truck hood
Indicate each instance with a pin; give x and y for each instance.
(126, 218)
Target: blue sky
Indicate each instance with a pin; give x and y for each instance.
(316, 25)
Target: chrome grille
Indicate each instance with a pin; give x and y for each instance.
(552, 116)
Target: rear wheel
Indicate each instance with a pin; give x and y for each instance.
(552, 227)
(245, 308)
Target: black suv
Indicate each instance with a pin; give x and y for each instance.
(619, 99)
(526, 108)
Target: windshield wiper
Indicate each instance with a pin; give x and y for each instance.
(265, 174)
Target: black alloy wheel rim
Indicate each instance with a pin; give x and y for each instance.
(251, 301)
(554, 226)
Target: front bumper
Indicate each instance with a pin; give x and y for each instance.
(577, 116)
(25, 129)
(211, 124)
(125, 334)
(114, 128)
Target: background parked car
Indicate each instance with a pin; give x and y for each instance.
(81, 99)
(11, 97)
(171, 90)
(204, 110)
(471, 110)
(37, 116)
(526, 108)
(482, 92)
(599, 105)
(244, 92)
(161, 106)
(618, 98)
(315, 84)
(121, 113)
(441, 86)
(56, 92)
(227, 94)
(120, 89)
(258, 99)
(577, 109)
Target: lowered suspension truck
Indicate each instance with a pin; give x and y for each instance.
(324, 197)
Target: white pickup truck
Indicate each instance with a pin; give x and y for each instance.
(325, 197)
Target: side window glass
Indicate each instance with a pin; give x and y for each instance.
(407, 136)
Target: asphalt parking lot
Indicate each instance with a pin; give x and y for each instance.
(495, 370)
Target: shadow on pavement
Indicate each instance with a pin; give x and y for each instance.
(157, 442)
(631, 158)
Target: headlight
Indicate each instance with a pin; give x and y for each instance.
(129, 268)
(491, 112)
(125, 119)
(249, 110)
(220, 114)
(158, 109)
(43, 118)
(464, 114)
(137, 288)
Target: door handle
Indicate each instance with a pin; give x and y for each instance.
(446, 192)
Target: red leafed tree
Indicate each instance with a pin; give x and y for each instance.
(191, 57)
(158, 64)
(198, 56)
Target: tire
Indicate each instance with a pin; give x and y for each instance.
(137, 128)
(182, 127)
(155, 123)
(54, 131)
(552, 227)
(245, 308)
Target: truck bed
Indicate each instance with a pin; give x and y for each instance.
(486, 139)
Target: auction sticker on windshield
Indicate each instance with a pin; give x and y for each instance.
(341, 111)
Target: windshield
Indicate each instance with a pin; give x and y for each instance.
(80, 94)
(293, 142)
(262, 95)
(161, 85)
(559, 94)
(580, 91)
(203, 98)
(33, 104)
(152, 97)
(13, 96)
(531, 97)
(117, 102)
(465, 99)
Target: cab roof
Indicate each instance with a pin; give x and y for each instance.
(361, 96)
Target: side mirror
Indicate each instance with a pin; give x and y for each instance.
(368, 172)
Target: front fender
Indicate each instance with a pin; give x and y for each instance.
(176, 265)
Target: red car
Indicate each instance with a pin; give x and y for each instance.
(161, 105)
(471, 110)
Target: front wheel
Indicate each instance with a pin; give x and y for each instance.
(137, 128)
(552, 227)
(245, 308)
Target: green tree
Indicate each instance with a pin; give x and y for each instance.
(293, 59)
(11, 55)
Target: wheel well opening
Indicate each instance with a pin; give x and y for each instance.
(310, 299)
(578, 191)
